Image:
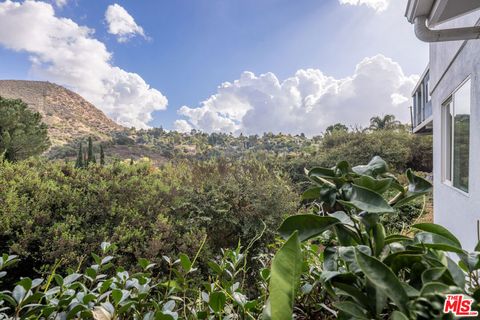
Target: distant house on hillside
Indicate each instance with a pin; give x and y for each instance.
(446, 102)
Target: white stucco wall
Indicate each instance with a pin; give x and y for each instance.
(450, 64)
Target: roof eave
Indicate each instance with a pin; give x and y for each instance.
(410, 11)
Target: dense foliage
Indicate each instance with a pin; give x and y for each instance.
(353, 267)
(52, 211)
(22, 133)
(385, 138)
(337, 262)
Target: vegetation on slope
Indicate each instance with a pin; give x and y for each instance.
(339, 261)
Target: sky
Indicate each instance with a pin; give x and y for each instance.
(249, 66)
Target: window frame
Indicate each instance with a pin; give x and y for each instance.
(448, 176)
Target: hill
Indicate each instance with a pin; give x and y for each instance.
(68, 115)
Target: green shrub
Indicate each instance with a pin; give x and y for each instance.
(361, 271)
(103, 291)
(51, 211)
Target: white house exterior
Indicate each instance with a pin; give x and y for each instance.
(446, 101)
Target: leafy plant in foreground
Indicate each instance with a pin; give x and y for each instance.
(103, 291)
(362, 272)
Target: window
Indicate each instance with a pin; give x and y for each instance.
(456, 138)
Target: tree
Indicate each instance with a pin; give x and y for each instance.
(79, 163)
(22, 133)
(337, 127)
(102, 156)
(90, 156)
(384, 123)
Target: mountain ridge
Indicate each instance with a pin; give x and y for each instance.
(68, 115)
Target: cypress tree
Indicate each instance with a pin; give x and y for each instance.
(79, 163)
(91, 155)
(102, 156)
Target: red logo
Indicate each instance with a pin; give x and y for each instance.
(459, 306)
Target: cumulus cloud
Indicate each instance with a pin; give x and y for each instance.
(307, 102)
(377, 5)
(60, 3)
(121, 23)
(61, 51)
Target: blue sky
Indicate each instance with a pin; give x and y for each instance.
(191, 47)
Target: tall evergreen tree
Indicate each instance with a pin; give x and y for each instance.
(90, 155)
(102, 156)
(79, 163)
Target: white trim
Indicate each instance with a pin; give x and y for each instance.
(450, 101)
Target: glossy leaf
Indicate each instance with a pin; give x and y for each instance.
(351, 309)
(437, 229)
(367, 200)
(307, 225)
(417, 187)
(312, 193)
(185, 262)
(397, 315)
(377, 185)
(321, 172)
(435, 241)
(286, 270)
(217, 301)
(375, 167)
(384, 279)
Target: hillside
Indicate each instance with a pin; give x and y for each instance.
(68, 115)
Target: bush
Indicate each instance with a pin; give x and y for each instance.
(103, 291)
(399, 148)
(353, 268)
(53, 212)
(340, 263)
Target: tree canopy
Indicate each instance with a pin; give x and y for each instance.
(386, 122)
(22, 133)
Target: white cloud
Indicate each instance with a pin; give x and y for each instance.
(60, 3)
(377, 5)
(182, 126)
(307, 102)
(121, 23)
(61, 51)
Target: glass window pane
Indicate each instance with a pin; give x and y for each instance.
(461, 137)
(447, 142)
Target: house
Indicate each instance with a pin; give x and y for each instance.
(446, 103)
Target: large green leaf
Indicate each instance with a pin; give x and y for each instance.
(403, 259)
(352, 292)
(437, 229)
(397, 315)
(437, 242)
(217, 301)
(384, 279)
(351, 309)
(378, 233)
(307, 225)
(456, 272)
(321, 172)
(312, 193)
(375, 167)
(367, 200)
(433, 274)
(377, 185)
(471, 260)
(417, 186)
(286, 270)
(434, 288)
(396, 238)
